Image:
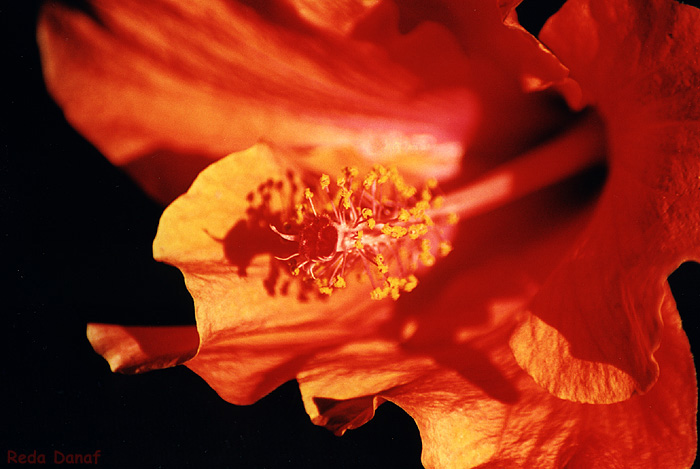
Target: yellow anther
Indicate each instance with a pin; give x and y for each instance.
(325, 290)
(379, 293)
(427, 258)
(425, 245)
(367, 212)
(358, 243)
(426, 194)
(299, 209)
(445, 248)
(369, 179)
(404, 215)
(419, 210)
(379, 259)
(345, 195)
(340, 282)
(325, 181)
(340, 181)
(411, 283)
(351, 171)
(371, 223)
(416, 231)
(394, 286)
(394, 231)
(383, 174)
(423, 205)
(308, 194)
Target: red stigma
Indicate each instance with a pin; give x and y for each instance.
(318, 238)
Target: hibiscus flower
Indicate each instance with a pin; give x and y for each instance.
(547, 337)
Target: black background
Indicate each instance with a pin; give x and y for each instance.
(76, 246)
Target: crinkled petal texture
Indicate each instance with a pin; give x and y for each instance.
(595, 325)
(486, 412)
(163, 88)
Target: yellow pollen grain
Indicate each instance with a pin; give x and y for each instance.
(394, 286)
(394, 231)
(426, 195)
(405, 189)
(325, 290)
(299, 212)
(416, 231)
(411, 283)
(379, 293)
(325, 181)
(379, 259)
(369, 179)
(438, 201)
(358, 243)
(452, 218)
(431, 183)
(345, 197)
(404, 215)
(445, 248)
(340, 282)
(427, 259)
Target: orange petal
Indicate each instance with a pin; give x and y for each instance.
(596, 323)
(257, 324)
(338, 16)
(657, 429)
(137, 349)
(485, 412)
(208, 78)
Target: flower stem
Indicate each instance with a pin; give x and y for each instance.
(571, 152)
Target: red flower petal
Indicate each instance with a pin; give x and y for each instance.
(636, 62)
(208, 78)
(137, 349)
(487, 413)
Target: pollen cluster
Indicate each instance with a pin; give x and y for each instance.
(378, 227)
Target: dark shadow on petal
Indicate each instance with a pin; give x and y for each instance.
(278, 13)
(166, 174)
(341, 415)
(254, 236)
